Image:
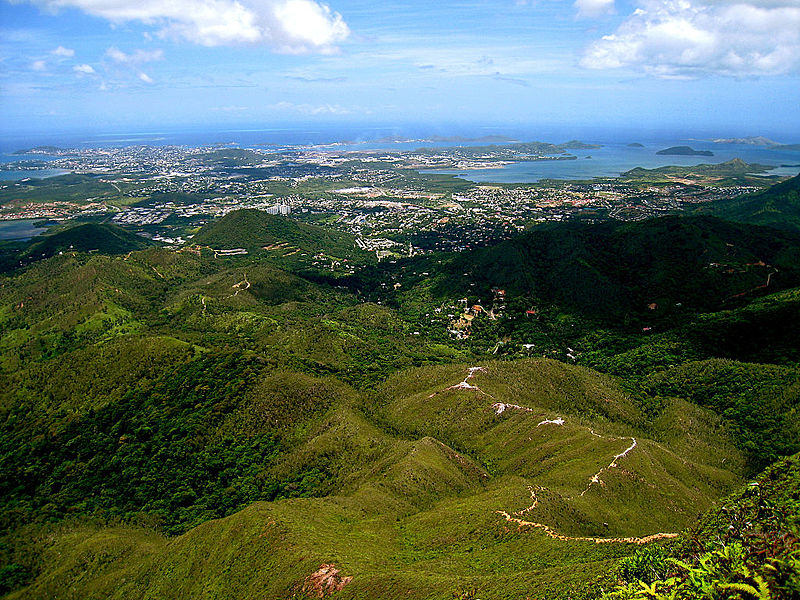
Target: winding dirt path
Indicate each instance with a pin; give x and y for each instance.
(596, 479)
(238, 286)
(550, 532)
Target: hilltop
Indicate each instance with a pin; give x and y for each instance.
(89, 237)
(256, 230)
(777, 206)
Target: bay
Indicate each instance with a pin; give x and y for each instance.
(611, 160)
(20, 229)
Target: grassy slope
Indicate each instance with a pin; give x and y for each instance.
(746, 546)
(412, 474)
(411, 516)
(253, 229)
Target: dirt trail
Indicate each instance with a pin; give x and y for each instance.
(238, 286)
(550, 532)
(326, 581)
(596, 477)
(499, 408)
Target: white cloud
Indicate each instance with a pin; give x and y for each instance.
(39, 65)
(85, 69)
(311, 109)
(594, 8)
(692, 38)
(135, 58)
(63, 52)
(292, 26)
(146, 78)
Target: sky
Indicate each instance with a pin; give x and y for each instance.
(725, 66)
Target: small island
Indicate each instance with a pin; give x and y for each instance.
(578, 145)
(635, 145)
(684, 151)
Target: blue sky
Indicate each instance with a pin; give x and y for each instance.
(730, 66)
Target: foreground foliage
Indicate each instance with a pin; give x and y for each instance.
(747, 548)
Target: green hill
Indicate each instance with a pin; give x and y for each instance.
(90, 237)
(728, 173)
(610, 269)
(254, 230)
(427, 493)
(778, 206)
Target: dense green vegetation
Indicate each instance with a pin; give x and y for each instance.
(174, 421)
(613, 272)
(90, 237)
(747, 547)
(777, 206)
(254, 230)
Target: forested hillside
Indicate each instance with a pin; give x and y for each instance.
(181, 423)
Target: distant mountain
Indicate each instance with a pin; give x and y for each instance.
(734, 171)
(758, 141)
(778, 206)
(253, 230)
(635, 145)
(103, 238)
(684, 151)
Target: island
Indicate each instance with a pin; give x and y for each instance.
(39, 150)
(684, 151)
(635, 145)
(578, 145)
